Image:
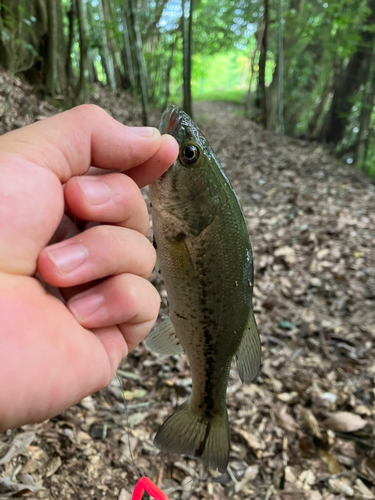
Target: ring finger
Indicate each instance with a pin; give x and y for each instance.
(119, 300)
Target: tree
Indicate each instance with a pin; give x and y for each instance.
(308, 66)
(187, 35)
(280, 65)
(105, 55)
(142, 74)
(362, 144)
(68, 59)
(355, 74)
(128, 62)
(262, 67)
(18, 27)
(83, 52)
(168, 74)
(51, 73)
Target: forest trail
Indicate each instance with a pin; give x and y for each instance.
(312, 225)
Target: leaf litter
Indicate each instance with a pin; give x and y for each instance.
(305, 428)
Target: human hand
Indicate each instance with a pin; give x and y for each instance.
(49, 356)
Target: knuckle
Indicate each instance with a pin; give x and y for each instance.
(138, 249)
(132, 188)
(90, 110)
(134, 199)
(126, 250)
(142, 299)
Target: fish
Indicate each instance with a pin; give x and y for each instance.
(205, 259)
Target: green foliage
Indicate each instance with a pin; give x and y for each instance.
(319, 38)
(229, 95)
(224, 76)
(15, 25)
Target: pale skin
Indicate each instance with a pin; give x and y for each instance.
(55, 351)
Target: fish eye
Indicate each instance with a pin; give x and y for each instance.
(189, 154)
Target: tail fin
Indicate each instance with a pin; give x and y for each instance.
(194, 434)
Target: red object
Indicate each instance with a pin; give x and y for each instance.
(145, 484)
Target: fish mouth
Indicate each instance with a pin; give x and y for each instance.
(170, 121)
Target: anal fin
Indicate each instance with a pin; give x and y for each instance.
(163, 340)
(248, 355)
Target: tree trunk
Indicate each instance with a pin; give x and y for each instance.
(52, 44)
(68, 60)
(273, 97)
(313, 123)
(168, 74)
(355, 75)
(105, 55)
(83, 52)
(280, 75)
(141, 66)
(116, 59)
(262, 69)
(252, 57)
(129, 61)
(38, 39)
(61, 50)
(360, 156)
(187, 32)
(95, 43)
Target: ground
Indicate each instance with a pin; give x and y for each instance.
(305, 428)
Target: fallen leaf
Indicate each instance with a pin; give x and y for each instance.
(124, 495)
(250, 474)
(136, 418)
(344, 421)
(286, 325)
(283, 418)
(19, 444)
(331, 461)
(306, 478)
(310, 419)
(335, 485)
(8, 486)
(361, 491)
(137, 394)
(53, 465)
(252, 440)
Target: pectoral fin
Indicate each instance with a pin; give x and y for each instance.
(249, 352)
(163, 339)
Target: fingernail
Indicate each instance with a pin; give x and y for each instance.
(96, 191)
(143, 131)
(85, 305)
(68, 257)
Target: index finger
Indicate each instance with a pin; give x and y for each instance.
(72, 141)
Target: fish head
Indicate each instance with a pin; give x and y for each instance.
(187, 189)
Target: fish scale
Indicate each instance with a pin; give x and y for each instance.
(205, 259)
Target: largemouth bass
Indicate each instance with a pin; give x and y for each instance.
(206, 261)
